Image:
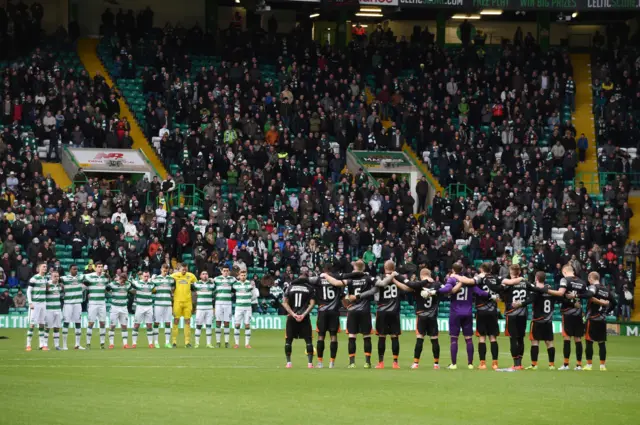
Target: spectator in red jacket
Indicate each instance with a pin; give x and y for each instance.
(183, 240)
(610, 256)
(487, 246)
(153, 247)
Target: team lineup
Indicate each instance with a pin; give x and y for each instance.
(55, 303)
(483, 290)
(160, 299)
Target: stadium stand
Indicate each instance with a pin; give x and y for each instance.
(255, 145)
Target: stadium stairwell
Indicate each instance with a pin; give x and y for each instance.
(587, 171)
(584, 122)
(423, 168)
(634, 234)
(89, 57)
(57, 174)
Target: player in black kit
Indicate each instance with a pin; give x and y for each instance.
(541, 322)
(388, 319)
(514, 295)
(426, 314)
(361, 288)
(572, 289)
(299, 299)
(603, 302)
(487, 316)
(329, 300)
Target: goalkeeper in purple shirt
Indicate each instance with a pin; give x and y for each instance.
(462, 290)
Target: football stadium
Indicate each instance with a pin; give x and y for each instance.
(319, 211)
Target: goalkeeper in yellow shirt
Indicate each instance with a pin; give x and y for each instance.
(182, 304)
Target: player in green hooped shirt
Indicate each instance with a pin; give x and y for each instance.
(244, 293)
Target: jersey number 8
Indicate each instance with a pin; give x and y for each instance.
(546, 307)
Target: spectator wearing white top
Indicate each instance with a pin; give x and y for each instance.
(161, 215)
(49, 122)
(377, 249)
(123, 217)
(12, 181)
(164, 130)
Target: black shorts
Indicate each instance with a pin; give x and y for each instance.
(388, 323)
(541, 331)
(426, 326)
(572, 326)
(359, 322)
(328, 321)
(298, 330)
(516, 326)
(596, 330)
(487, 325)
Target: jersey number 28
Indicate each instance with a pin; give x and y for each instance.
(390, 292)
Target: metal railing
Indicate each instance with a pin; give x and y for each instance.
(456, 190)
(184, 194)
(595, 182)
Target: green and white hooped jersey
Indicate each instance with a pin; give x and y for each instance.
(73, 288)
(144, 293)
(204, 294)
(96, 288)
(164, 286)
(38, 286)
(119, 293)
(54, 292)
(243, 293)
(224, 286)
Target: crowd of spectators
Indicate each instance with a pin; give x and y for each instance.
(20, 28)
(263, 138)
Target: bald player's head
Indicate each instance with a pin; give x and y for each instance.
(425, 274)
(594, 277)
(358, 265)
(567, 270)
(389, 266)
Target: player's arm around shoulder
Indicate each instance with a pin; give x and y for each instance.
(463, 279)
(333, 281)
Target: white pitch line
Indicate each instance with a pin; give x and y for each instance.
(126, 367)
(133, 357)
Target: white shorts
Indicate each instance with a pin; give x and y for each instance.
(243, 315)
(97, 313)
(54, 318)
(223, 312)
(119, 316)
(144, 315)
(162, 314)
(204, 317)
(72, 313)
(38, 314)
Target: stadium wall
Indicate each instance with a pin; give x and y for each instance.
(187, 13)
(407, 323)
(56, 13)
(576, 35)
(274, 322)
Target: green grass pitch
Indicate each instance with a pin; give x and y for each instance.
(227, 386)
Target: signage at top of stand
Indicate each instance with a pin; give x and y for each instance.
(573, 5)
